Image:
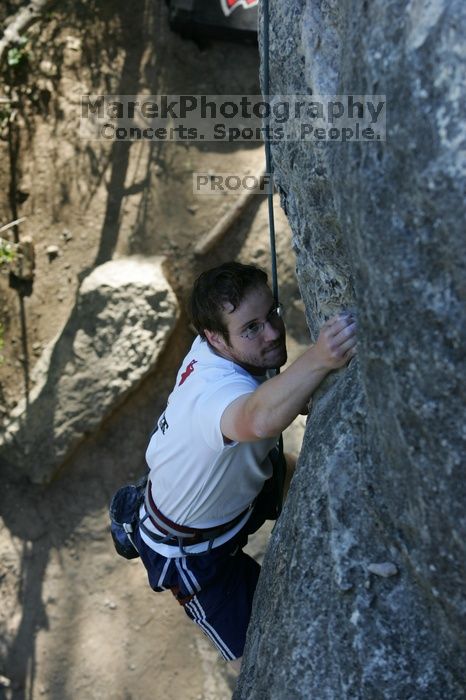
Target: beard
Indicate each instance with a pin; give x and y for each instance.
(258, 361)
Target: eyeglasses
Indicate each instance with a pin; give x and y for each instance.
(255, 329)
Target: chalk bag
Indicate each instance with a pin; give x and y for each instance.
(124, 517)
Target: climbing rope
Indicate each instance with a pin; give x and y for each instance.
(268, 153)
(279, 466)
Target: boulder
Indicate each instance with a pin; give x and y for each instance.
(122, 320)
(362, 591)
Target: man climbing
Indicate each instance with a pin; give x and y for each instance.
(211, 456)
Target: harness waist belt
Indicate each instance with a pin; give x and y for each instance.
(194, 535)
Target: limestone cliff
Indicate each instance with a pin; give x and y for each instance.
(379, 227)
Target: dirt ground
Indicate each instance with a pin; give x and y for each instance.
(76, 621)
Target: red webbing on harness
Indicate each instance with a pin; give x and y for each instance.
(182, 600)
(182, 529)
(189, 532)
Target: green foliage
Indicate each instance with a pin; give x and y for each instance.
(7, 253)
(18, 55)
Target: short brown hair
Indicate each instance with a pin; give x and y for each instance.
(227, 283)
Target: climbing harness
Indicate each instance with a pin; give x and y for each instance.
(175, 534)
(125, 509)
(124, 520)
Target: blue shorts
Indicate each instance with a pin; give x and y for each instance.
(215, 589)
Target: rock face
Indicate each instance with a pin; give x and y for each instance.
(362, 593)
(122, 320)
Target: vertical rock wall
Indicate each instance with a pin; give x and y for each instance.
(379, 227)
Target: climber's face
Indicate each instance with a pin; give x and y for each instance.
(256, 337)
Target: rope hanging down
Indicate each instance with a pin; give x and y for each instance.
(279, 467)
(268, 154)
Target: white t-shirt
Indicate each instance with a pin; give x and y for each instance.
(197, 479)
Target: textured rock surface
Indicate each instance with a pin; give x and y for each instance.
(122, 320)
(380, 479)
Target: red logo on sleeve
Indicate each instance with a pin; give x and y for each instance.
(189, 370)
(229, 5)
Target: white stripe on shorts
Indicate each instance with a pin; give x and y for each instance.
(191, 575)
(200, 619)
(187, 583)
(163, 574)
